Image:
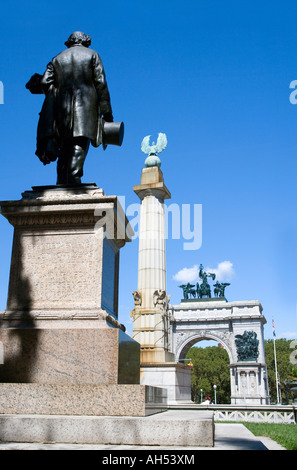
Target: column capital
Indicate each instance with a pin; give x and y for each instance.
(152, 184)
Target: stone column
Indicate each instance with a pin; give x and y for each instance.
(151, 326)
(152, 257)
(151, 314)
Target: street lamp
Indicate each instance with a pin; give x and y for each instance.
(215, 394)
(201, 391)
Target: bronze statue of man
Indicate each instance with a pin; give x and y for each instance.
(76, 105)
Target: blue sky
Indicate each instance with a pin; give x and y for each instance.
(214, 76)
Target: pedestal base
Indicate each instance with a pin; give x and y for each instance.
(249, 384)
(81, 400)
(71, 354)
(174, 377)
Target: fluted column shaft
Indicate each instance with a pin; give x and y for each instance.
(150, 315)
(152, 257)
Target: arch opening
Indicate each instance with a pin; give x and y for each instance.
(210, 377)
(190, 342)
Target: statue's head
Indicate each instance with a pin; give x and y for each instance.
(78, 38)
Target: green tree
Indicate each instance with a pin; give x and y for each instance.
(210, 367)
(284, 366)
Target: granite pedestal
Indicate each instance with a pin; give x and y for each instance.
(68, 370)
(60, 335)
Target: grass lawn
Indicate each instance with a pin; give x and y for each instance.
(283, 434)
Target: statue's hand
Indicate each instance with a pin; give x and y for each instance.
(34, 84)
(108, 117)
(45, 160)
(47, 150)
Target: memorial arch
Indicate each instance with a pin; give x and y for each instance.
(238, 326)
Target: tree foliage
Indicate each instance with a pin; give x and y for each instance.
(210, 367)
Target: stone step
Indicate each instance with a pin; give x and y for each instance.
(169, 428)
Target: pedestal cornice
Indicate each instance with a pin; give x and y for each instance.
(62, 206)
